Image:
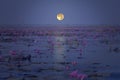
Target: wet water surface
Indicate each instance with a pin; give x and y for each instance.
(54, 53)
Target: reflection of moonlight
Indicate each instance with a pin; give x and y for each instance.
(60, 16)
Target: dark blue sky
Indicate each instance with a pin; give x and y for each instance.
(81, 12)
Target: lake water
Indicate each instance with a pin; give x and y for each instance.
(60, 53)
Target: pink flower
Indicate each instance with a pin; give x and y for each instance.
(74, 63)
(67, 67)
(13, 52)
(74, 74)
(37, 51)
(81, 76)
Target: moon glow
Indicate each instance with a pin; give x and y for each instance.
(60, 16)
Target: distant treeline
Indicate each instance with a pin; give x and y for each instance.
(59, 31)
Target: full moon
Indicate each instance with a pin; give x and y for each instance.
(60, 16)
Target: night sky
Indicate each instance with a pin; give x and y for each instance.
(42, 12)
